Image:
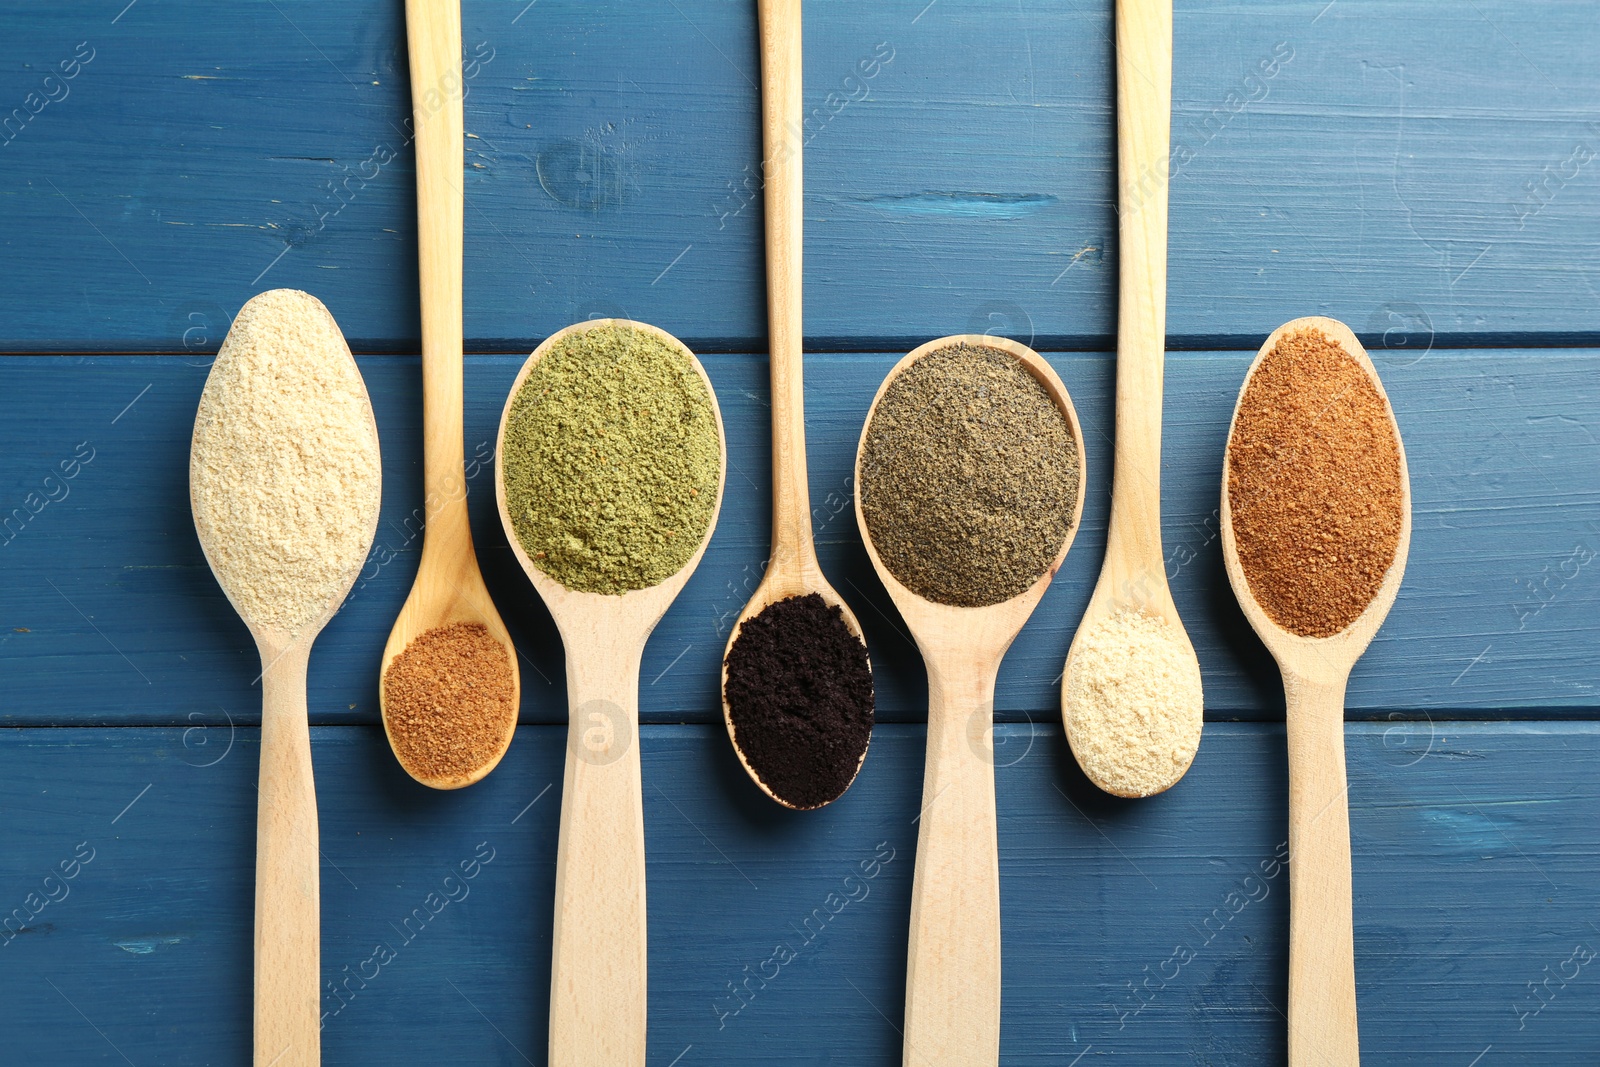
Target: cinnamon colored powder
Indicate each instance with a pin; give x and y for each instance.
(448, 700)
(1314, 485)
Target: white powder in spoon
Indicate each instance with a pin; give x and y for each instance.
(284, 475)
(1132, 705)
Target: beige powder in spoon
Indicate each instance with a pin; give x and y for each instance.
(284, 473)
(1133, 704)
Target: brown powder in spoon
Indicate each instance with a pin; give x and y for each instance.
(1314, 486)
(447, 700)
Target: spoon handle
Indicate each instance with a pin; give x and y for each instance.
(597, 971)
(1322, 974)
(1144, 120)
(953, 972)
(782, 172)
(433, 30)
(288, 965)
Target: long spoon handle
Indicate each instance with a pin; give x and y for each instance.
(597, 971)
(953, 971)
(1144, 120)
(433, 31)
(781, 135)
(288, 960)
(1322, 971)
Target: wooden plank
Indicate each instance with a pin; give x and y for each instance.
(1474, 856)
(110, 615)
(1407, 168)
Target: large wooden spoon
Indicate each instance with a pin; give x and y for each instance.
(252, 510)
(792, 569)
(953, 968)
(1322, 976)
(449, 587)
(597, 970)
(1134, 574)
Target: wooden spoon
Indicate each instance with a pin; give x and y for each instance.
(953, 969)
(449, 587)
(597, 971)
(288, 979)
(792, 569)
(1322, 977)
(1134, 574)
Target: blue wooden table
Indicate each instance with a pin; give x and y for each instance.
(1425, 172)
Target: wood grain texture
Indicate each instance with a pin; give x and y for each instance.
(1474, 860)
(1498, 616)
(1421, 172)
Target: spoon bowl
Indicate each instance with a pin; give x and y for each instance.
(1319, 659)
(788, 575)
(952, 1013)
(598, 964)
(448, 588)
(1322, 988)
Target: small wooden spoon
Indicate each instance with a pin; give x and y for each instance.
(288, 978)
(793, 569)
(449, 587)
(953, 969)
(597, 971)
(1134, 574)
(1322, 976)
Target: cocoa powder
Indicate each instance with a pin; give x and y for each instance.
(799, 694)
(447, 700)
(1314, 485)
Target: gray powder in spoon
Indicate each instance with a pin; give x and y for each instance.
(969, 477)
(284, 475)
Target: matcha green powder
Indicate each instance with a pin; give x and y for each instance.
(612, 460)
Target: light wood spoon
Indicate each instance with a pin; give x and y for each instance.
(597, 970)
(792, 569)
(288, 978)
(449, 587)
(953, 967)
(1322, 976)
(1134, 574)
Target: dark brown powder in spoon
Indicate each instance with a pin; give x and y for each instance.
(1314, 486)
(799, 692)
(447, 700)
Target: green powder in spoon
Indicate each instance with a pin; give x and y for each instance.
(611, 460)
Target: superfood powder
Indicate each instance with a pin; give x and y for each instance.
(1314, 486)
(611, 460)
(1132, 705)
(799, 694)
(284, 476)
(448, 700)
(969, 477)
